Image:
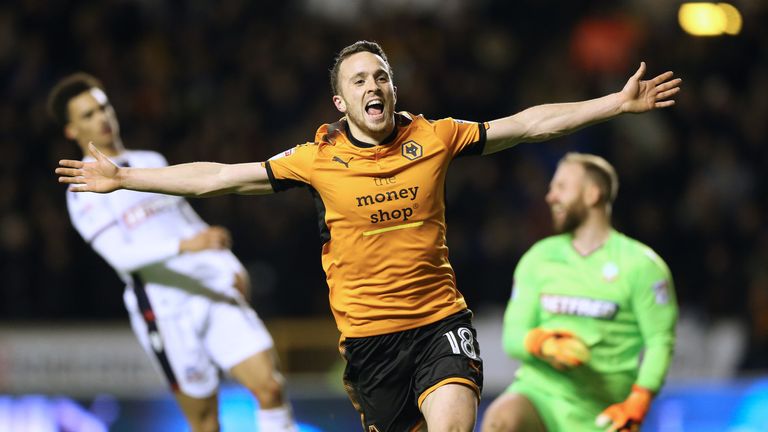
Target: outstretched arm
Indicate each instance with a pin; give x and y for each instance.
(543, 122)
(197, 179)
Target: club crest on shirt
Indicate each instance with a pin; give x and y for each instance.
(412, 150)
(610, 271)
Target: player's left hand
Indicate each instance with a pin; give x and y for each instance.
(628, 415)
(640, 96)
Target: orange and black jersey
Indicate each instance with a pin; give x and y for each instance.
(382, 212)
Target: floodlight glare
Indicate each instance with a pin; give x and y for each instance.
(733, 18)
(709, 19)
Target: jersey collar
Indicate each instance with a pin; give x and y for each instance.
(400, 120)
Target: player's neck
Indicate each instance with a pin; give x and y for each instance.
(591, 235)
(368, 136)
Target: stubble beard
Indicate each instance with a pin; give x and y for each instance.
(575, 215)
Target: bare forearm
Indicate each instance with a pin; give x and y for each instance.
(553, 120)
(194, 179)
(544, 122)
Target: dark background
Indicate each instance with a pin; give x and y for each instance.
(237, 81)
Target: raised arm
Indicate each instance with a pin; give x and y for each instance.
(197, 179)
(543, 122)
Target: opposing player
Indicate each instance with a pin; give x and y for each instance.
(378, 180)
(184, 287)
(585, 304)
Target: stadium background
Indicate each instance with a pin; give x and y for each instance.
(236, 81)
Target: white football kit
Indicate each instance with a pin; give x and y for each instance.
(184, 308)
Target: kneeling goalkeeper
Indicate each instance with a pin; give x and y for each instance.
(592, 317)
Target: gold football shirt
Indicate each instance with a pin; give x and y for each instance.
(382, 212)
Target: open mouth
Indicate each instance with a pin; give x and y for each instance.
(375, 109)
(557, 210)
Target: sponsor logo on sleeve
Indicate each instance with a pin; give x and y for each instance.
(283, 154)
(661, 292)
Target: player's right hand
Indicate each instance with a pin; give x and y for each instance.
(100, 175)
(214, 237)
(560, 348)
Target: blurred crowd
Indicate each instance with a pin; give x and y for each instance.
(238, 80)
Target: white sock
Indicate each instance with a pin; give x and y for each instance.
(278, 419)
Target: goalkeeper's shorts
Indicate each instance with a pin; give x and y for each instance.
(560, 412)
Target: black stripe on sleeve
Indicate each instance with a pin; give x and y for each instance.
(279, 185)
(477, 147)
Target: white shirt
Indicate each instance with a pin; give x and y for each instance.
(138, 233)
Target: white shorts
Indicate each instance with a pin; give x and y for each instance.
(200, 339)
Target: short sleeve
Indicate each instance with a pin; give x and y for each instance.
(461, 137)
(292, 167)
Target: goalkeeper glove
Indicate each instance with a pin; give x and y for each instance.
(561, 349)
(626, 416)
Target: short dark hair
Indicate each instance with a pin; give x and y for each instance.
(357, 47)
(600, 171)
(66, 89)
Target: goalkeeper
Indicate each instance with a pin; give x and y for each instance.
(586, 306)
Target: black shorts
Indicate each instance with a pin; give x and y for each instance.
(387, 377)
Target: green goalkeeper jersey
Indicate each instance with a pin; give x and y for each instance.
(619, 299)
